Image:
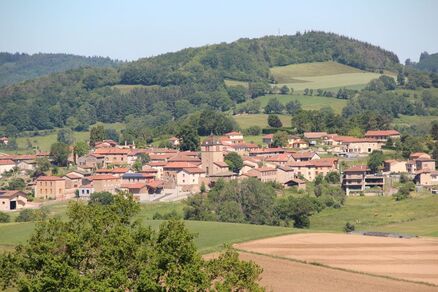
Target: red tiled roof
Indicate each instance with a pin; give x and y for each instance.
(73, 176)
(179, 164)
(418, 155)
(279, 157)
(314, 135)
(120, 170)
(382, 133)
(102, 177)
(149, 170)
(112, 151)
(357, 168)
(233, 133)
(180, 157)
(265, 168)
(10, 193)
(155, 184)
(193, 170)
(157, 163)
(6, 162)
(160, 156)
(267, 150)
(49, 178)
(244, 145)
(307, 154)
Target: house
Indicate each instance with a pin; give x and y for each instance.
(426, 178)
(183, 174)
(417, 155)
(358, 179)
(117, 171)
(295, 182)
(4, 140)
(266, 152)
(72, 180)
(315, 135)
(264, 174)
(12, 200)
(113, 156)
(419, 161)
(26, 165)
(106, 143)
(6, 165)
(268, 139)
(243, 148)
(103, 182)
(137, 177)
(158, 166)
(235, 137)
(137, 189)
(86, 190)
(182, 157)
(383, 135)
(394, 166)
(90, 161)
(300, 144)
(425, 164)
(305, 156)
(309, 169)
(174, 141)
(280, 159)
(353, 145)
(50, 187)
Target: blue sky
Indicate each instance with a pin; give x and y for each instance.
(133, 29)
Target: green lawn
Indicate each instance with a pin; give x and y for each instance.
(44, 142)
(254, 139)
(307, 102)
(261, 120)
(416, 215)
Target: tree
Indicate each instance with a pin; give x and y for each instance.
(404, 191)
(16, 184)
(280, 139)
(59, 153)
(375, 161)
(332, 177)
(234, 161)
(188, 138)
(81, 148)
(42, 165)
(100, 248)
(65, 136)
(293, 107)
(284, 89)
(349, 227)
(112, 134)
(274, 121)
(101, 198)
(4, 218)
(274, 106)
(97, 134)
(434, 130)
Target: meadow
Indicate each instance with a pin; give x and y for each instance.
(261, 120)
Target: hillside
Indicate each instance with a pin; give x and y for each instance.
(20, 67)
(427, 62)
(189, 79)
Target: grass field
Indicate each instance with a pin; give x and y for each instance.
(415, 215)
(44, 142)
(324, 75)
(415, 120)
(307, 102)
(210, 236)
(261, 120)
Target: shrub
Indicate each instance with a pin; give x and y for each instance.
(167, 216)
(4, 218)
(253, 131)
(29, 215)
(349, 227)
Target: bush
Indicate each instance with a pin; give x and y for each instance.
(29, 215)
(253, 131)
(404, 191)
(4, 218)
(101, 198)
(167, 216)
(349, 227)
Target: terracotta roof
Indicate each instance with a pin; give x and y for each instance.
(267, 150)
(300, 142)
(112, 151)
(233, 133)
(87, 186)
(133, 185)
(184, 158)
(120, 170)
(221, 164)
(160, 156)
(382, 133)
(102, 177)
(49, 178)
(6, 162)
(265, 168)
(252, 173)
(324, 162)
(416, 155)
(357, 168)
(10, 193)
(307, 154)
(149, 170)
(179, 165)
(278, 158)
(157, 163)
(348, 139)
(155, 184)
(190, 153)
(315, 135)
(73, 176)
(193, 170)
(297, 180)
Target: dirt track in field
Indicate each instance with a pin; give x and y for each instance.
(409, 259)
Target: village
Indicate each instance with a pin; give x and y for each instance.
(167, 174)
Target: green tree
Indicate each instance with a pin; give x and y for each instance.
(274, 106)
(97, 134)
(188, 138)
(280, 139)
(293, 107)
(65, 136)
(81, 148)
(59, 153)
(274, 121)
(375, 161)
(101, 198)
(16, 184)
(4, 218)
(234, 161)
(284, 89)
(434, 130)
(99, 248)
(42, 165)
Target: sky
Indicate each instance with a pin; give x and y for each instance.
(131, 29)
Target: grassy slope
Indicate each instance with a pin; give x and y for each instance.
(44, 142)
(210, 236)
(416, 215)
(261, 120)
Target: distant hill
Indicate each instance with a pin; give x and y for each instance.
(428, 62)
(20, 67)
(175, 84)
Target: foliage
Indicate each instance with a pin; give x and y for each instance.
(375, 161)
(349, 227)
(293, 107)
(81, 148)
(65, 136)
(332, 177)
(28, 215)
(274, 121)
(59, 152)
(99, 248)
(172, 215)
(188, 138)
(280, 139)
(97, 134)
(216, 123)
(101, 198)
(234, 161)
(274, 106)
(252, 131)
(4, 217)
(404, 191)
(16, 183)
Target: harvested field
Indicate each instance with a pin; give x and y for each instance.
(287, 275)
(409, 259)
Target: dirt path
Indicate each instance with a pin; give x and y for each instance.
(286, 275)
(409, 259)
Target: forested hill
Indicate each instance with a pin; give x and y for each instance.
(183, 81)
(19, 66)
(428, 62)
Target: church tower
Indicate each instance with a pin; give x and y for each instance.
(211, 152)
